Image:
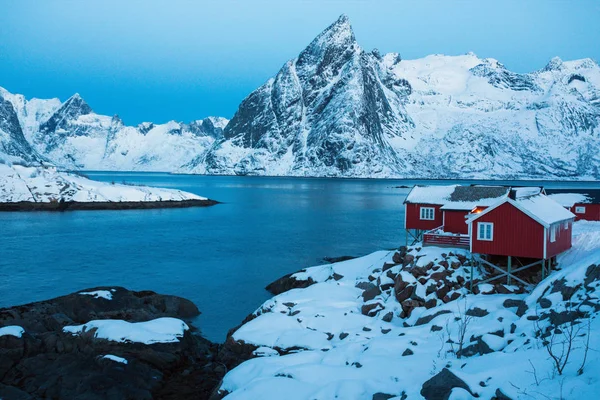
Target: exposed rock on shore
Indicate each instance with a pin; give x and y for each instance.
(47, 361)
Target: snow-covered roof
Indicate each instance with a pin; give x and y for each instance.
(457, 197)
(439, 195)
(544, 208)
(526, 191)
(540, 207)
(570, 197)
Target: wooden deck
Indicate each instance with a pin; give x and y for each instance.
(444, 239)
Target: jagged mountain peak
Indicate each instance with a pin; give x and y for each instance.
(77, 104)
(555, 64)
(336, 38)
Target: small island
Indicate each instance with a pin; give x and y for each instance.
(41, 188)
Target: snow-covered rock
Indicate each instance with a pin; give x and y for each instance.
(12, 330)
(99, 294)
(325, 347)
(160, 330)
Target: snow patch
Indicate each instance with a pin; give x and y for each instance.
(160, 330)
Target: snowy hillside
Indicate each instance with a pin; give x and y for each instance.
(403, 326)
(338, 110)
(72, 136)
(47, 184)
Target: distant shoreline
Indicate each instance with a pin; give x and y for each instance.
(83, 172)
(103, 205)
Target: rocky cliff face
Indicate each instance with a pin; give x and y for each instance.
(13, 145)
(338, 110)
(331, 111)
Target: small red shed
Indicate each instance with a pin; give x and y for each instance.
(422, 207)
(584, 203)
(529, 226)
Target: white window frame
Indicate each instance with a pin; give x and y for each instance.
(580, 210)
(484, 237)
(424, 213)
(553, 229)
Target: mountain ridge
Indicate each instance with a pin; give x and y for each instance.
(338, 110)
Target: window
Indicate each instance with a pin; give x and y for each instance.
(553, 229)
(485, 231)
(427, 213)
(566, 225)
(580, 210)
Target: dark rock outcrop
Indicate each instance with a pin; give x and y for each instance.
(288, 282)
(49, 363)
(440, 386)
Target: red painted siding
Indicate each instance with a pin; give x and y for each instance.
(515, 234)
(454, 221)
(563, 240)
(414, 221)
(592, 212)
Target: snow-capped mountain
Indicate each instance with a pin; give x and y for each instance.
(72, 136)
(338, 110)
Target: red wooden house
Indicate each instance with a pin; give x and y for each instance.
(497, 223)
(436, 214)
(530, 227)
(584, 203)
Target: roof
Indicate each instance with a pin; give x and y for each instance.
(421, 194)
(570, 197)
(539, 207)
(456, 197)
(525, 191)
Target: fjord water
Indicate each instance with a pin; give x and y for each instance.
(219, 257)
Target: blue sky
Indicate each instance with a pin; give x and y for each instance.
(159, 60)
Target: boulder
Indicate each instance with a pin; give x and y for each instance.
(499, 395)
(407, 352)
(520, 304)
(371, 292)
(388, 317)
(403, 290)
(440, 386)
(477, 312)
(431, 303)
(408, 260)
(428, 318)
(288, 282)
(371, 309)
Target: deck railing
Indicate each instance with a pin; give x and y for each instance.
(437, 237)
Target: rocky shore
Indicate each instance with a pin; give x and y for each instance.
(71, 347)
(102, 205)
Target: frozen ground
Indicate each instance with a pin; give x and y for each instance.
(326, 342)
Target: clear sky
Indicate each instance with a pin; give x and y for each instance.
(157, 60)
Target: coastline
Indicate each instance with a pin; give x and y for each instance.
(103, 205)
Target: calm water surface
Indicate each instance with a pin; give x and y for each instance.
(220, 257)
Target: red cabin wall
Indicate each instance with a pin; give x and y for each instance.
(454, 221)
(515, 234)
(414, 221)
(592, 212)
(563, 240)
